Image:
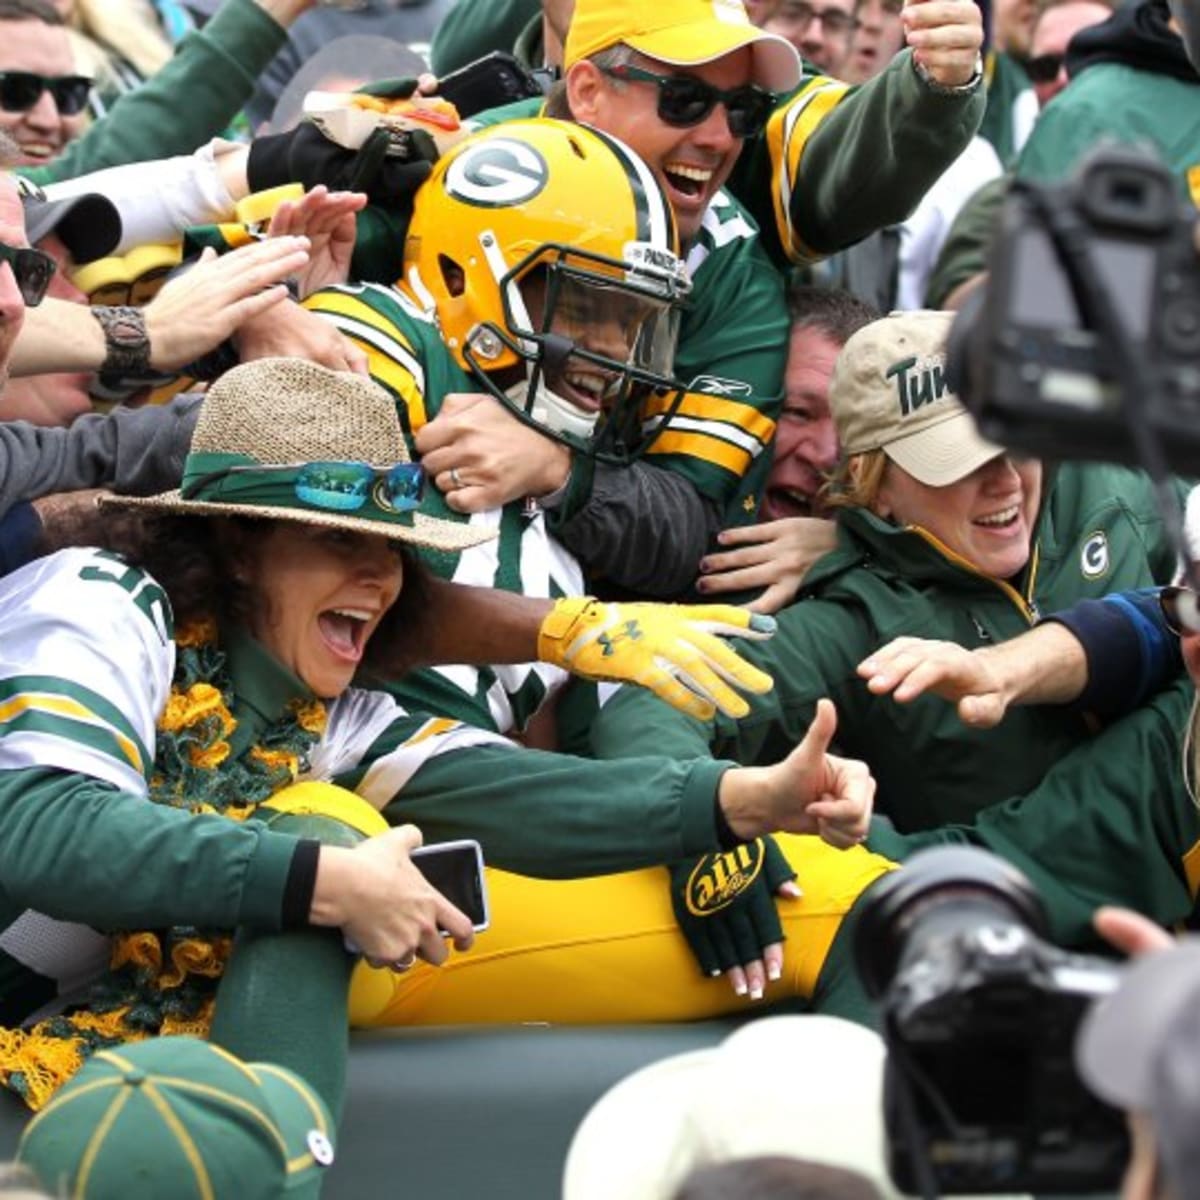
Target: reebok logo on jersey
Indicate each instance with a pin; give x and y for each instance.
(714, 385)
(718, 880)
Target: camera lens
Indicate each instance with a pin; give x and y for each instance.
(951, 881)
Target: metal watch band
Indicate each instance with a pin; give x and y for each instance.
(943, 89)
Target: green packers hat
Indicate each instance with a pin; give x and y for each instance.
(178, 1117)
(888, 392)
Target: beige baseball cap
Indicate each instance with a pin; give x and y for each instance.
(889, 393)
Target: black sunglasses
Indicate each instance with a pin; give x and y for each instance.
(32, 269)
(21, 90)
(684, 100)
(1044, 68)
(1180, 609)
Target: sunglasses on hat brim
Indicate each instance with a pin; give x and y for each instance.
(333, 486)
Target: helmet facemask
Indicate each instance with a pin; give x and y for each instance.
(596, 338)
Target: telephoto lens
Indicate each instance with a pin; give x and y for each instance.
(979, 1014)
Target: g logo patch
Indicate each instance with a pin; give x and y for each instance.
(1093, 558)
(498, 174)
(717, 880)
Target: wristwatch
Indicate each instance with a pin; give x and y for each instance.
(125, 338)
(947, 89)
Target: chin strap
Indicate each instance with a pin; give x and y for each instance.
(551, 410)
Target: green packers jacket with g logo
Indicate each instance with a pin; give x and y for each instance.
(1103, 817)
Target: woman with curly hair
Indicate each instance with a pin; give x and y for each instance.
(160, 697)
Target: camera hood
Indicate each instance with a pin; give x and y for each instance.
(942, 874)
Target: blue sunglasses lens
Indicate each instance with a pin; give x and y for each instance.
(342, 487)
(345, 486)
(402, 488)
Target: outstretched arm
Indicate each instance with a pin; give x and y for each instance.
(1047, 665)
(674, 650)
(1106, 657)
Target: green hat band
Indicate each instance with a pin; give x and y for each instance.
(387, 494)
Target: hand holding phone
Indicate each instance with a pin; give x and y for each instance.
(456, 870)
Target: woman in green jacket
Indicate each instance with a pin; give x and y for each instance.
(943, 535)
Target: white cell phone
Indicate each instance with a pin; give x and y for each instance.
(456, 870)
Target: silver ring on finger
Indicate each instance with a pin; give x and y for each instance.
(455, 481)
(403, 964)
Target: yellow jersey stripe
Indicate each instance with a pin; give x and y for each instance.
(701, 446)
(63, 706)
(724, 410)
(431, 729)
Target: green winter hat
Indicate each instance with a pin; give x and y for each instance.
(179, 1117)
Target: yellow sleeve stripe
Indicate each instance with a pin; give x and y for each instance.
(348, 305)
(721, 410)
(788, 132)
(235, 235)
(397, 379)
(432, 729)
(391, 357)
(61, 716)
(701, 446)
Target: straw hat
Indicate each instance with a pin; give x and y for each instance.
(281, 413)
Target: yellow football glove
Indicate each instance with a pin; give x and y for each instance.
(672, 649)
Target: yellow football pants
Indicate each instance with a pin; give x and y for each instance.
(608, 949)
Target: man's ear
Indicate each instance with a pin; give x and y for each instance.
(585, 89)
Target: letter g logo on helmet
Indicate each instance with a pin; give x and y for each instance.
(500, 173)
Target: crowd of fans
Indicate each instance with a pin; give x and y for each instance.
(372, 472)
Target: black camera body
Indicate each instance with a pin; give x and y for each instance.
(1030, 355)
(979, 1015)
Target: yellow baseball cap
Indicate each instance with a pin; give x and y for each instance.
(683, 33)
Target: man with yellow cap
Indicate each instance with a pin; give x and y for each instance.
(694, 89)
